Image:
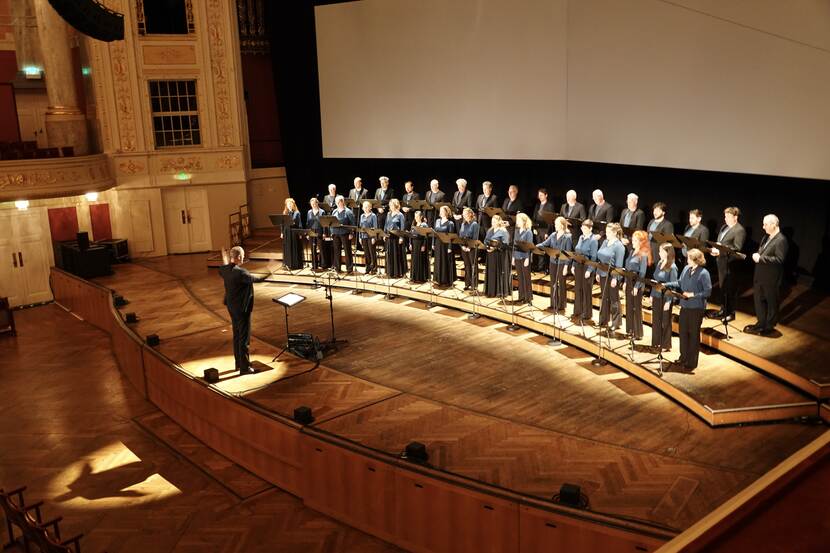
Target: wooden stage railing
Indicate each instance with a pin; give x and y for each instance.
(417, 508)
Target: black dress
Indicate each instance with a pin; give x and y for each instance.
(292, 249)
(420, 256)
(498, 273)
(444, 258)
(396, 265)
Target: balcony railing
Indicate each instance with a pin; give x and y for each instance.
(30, 179)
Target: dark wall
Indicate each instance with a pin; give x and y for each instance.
(801, 204)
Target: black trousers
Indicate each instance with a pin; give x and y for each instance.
(370, 254)
(729, 290)
(470, 268)
(559, 281)
(767, 300)
(241, 325)
(342, 243)
(609, 309)
(660, 323)
(690, 321)
(523, 273)
(633, 312)
(583, 292)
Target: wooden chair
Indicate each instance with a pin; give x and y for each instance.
(17, 514)
(68, 151)
(235, 227)
(245, 222)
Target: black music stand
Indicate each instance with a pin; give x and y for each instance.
(582, 260)
(448, 238)
(474, 245)
(560, 255)
(607, 268)
(287, 300)
(425, 233)
(661, 238)
(729, 252)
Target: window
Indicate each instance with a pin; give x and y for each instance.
(175, 113)
(165, 17)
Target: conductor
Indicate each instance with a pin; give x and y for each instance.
(239, 298)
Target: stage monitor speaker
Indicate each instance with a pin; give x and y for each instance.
(83, 241)
(305, 346)
(153, 340)
(302, 415)
(211, 375)
(91, 18)
(131, 317)
(570, 495)
(416, 452)
(119, 301)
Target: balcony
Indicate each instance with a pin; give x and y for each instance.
(31, 179)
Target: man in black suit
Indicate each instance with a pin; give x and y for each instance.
(696, 229)
(572, 209)
(632, 216)
(769, 273)
(460, 199)
(329, 199)
(434, 196)
(601, 210)
(512, 204)
(732, 235)
(658, 224)
(484, 200)
(358, 194)
(542, 227)
(383, 194)
(239, 299)
(409, 196)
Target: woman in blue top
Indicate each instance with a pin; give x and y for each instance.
(292, 249)
(320, 248)
(368, 220)
(696, 285)
(497, 275)
(637, 262)
(611, 252)
(469, 231)
(444, 256)
(560, 239)
(342, 237)
(395, 252)
(665, 271)
(521, 260)
(587, 247)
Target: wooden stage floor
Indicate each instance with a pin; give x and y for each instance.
(493, 406)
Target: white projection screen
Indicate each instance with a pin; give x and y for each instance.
(741, 86)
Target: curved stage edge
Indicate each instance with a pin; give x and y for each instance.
(415, 507)
(795, 404)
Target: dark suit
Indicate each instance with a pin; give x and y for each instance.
(483, 219)
(239, 299)
(383, 196)
(604, 212)
(511, 207)
(328, 201)
(542, 231)
(355, 194)
(434, 198)
(701, 233)
(766, 282)
(461, 200)
(663, 227)
(733, 238)
(636, 218)
(410, 215)
(576, 211)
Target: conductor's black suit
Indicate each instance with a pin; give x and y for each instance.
(239, 299)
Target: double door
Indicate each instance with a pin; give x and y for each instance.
(186, 220)
(24, 257)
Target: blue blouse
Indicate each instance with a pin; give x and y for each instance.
(698, 282)
(444, 226)
(312, 221)
(468, 231)
(564, 242)
(660, 275)
(587, 247)
(611, 254)
(367, 221)
(637, 264)
(346, 217)
(295, 218)
(500, 235)
(522, 236)
(394, 221)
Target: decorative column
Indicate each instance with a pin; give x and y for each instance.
(26, 39)
(65, 122)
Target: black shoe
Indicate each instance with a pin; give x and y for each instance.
(718, 314)
(249, 370)
(767, 332)
(753, 329)
(728, 318)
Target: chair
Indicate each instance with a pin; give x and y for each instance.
(68, 151)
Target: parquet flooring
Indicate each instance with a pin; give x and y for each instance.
(504, 409)
(67, 432)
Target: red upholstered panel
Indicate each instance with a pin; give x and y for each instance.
(99, 216)
(9, 128)
(63, 223)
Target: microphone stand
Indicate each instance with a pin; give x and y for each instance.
(555, 254)
(600, 360)
(475, 243)
(632, 277)
(333, 344)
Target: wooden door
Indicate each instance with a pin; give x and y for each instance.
(198, 219)
(10, 273)
(33, 255)
(175, 221)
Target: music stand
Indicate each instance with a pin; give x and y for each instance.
(629, 276)
(606, 268)
(661, 238)
(425, 233)
(287, 300)
(448, 238)
(728, 252)
(583, 261)
(560, 255)
(474, 244)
